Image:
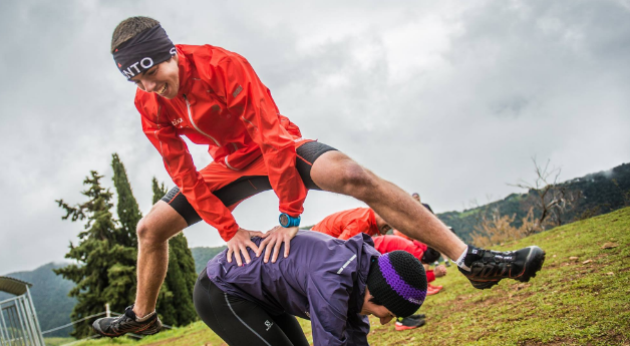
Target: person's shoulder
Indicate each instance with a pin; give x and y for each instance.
(216, 53)
(357, 211)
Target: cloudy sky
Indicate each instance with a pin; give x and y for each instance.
(447, 98)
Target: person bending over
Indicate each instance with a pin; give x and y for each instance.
(348, 223)
(215, 98)
(333, 283)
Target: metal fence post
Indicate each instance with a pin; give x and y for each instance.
(38, 329)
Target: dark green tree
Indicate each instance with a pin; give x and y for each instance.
(123, 278)
(128, 211)
(175, 304)
(100, 269)
(159, 190)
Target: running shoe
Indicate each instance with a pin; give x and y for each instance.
(418, 316)
(488, 267)
(431, 290)
(409, 323)
(127, 323)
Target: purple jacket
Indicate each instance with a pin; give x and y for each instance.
(322, 280)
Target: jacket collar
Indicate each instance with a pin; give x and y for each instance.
(185, 72)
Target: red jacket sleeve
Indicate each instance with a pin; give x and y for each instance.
(249, 99)
(180, 166)
(430, 276)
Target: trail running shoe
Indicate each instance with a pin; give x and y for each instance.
(418, 316)
(488, 267)
(127, 323)
(409, 323)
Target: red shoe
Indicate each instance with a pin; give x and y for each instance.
(409, 323)
(435, 287)
(431, 290)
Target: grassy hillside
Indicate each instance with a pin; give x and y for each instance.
(583, 301)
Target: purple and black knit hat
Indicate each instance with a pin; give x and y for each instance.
(397, 280)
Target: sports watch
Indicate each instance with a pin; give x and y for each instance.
(287, 220)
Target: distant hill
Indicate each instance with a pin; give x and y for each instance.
(602, 193)
(202, 255)
(50, 297)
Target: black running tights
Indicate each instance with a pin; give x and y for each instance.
(240, 322)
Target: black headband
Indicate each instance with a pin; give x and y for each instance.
(144, 51)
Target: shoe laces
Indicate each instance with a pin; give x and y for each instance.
(494, 262)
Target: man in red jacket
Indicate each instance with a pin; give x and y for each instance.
(214, 97)
(348, 223)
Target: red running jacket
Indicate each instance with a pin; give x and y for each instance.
(223, 104)
(348, 223)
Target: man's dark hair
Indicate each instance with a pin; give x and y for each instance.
(129, 28)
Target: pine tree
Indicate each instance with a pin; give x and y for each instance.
(128, 211)
(175, 303)
(100, 258)
(159, 190)
(123, 274)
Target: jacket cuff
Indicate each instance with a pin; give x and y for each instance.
(292, 211)
(430, 276)
(228, 233)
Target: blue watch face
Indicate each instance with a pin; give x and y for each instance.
(284, 220)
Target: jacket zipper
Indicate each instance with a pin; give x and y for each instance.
(195, 125)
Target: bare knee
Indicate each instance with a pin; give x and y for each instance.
(150, 234)
(159, 225)
(146, 234)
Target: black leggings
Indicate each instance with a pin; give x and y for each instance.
(240, 322)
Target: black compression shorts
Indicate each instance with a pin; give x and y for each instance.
(248, 186)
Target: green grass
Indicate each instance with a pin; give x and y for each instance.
(57, 341)
(569, 303)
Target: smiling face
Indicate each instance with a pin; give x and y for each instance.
(162, 79)
(380, 311)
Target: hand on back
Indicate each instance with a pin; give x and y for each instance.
(238, 245)
(273, 241)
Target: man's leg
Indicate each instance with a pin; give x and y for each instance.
(154, 231)
(334, 171)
